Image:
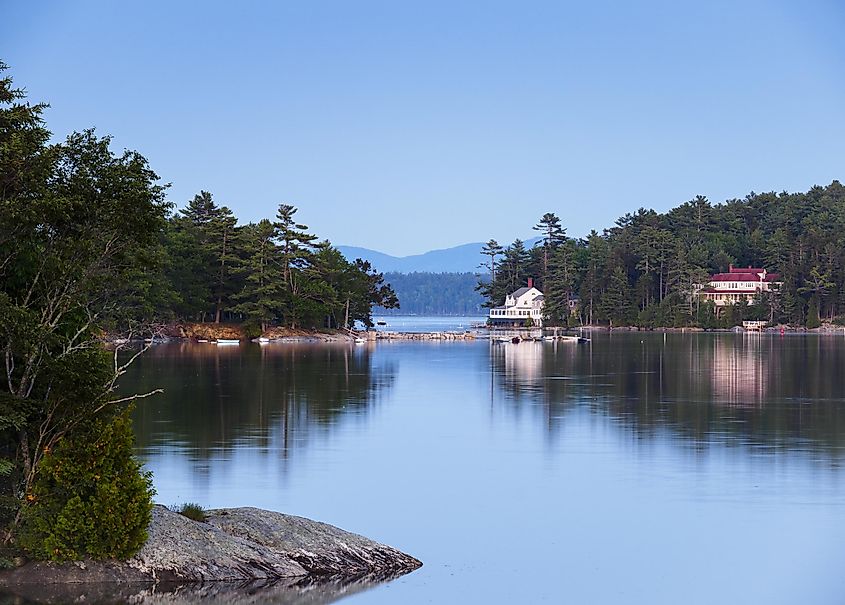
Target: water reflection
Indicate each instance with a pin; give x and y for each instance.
(294, 591)
(758, 390)
(740, 371)
(272, 398)
(608, 461)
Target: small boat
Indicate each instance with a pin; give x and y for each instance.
(228, 341)
(360, 341)
(381, 323)
(202, 340)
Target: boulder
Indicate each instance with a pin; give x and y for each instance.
(233, 545)
(320, 548)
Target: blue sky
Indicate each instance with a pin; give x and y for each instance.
(409, 126)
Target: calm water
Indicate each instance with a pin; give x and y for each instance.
(635, 469)
(420, 323)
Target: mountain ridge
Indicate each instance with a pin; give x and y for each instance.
(464, 258)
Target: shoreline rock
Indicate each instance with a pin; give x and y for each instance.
(233, 545)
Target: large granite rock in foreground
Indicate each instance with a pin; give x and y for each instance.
(236, 544)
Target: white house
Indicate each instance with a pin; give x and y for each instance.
(739, 284)
(519, 306)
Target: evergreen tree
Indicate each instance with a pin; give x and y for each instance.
(296, 248)
(223, 240)
(616, 299)
(560, 283)
(259, 301)
(813, 320)
(553, 235)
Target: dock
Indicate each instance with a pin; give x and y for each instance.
(385, 335)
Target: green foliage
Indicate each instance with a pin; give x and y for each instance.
(813, 320)
(91, 499)
(646, 269)
(80, 242)
(252, 330)
(192, 510)
(264, 273)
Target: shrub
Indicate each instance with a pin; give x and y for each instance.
(192, 510)
(91, 498)
(252, 330)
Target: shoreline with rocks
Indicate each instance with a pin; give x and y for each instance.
(232, 545)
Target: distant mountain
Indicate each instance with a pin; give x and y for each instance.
(460, 259)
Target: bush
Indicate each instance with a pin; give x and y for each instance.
(252, 330)
(191, 510)
(91, 498)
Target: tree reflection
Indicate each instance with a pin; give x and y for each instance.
(753, 389)
(275, 396)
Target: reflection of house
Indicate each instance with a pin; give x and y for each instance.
(739, 372)
(520, 306)
(739, 285)
(523, 363)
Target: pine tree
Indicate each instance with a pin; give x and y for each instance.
(560, 283)
(553, 235)
(493, 250)
(223, 239)
(616, 299)
(260, 298)
(813, 320)
(295, 250)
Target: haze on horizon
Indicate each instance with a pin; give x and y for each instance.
(408, 128)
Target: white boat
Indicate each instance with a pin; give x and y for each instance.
(360, 341)
(227, 341)
(566, 338)
(202, 340)
(263, 340)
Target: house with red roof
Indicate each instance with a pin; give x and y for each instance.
(739, 284)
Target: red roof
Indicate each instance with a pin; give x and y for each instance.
(744, 276)
(733, 276)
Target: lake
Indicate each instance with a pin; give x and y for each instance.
(638, 468)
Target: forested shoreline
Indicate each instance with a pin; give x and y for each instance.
(264, 273)
(645, 270)
(90, 244)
